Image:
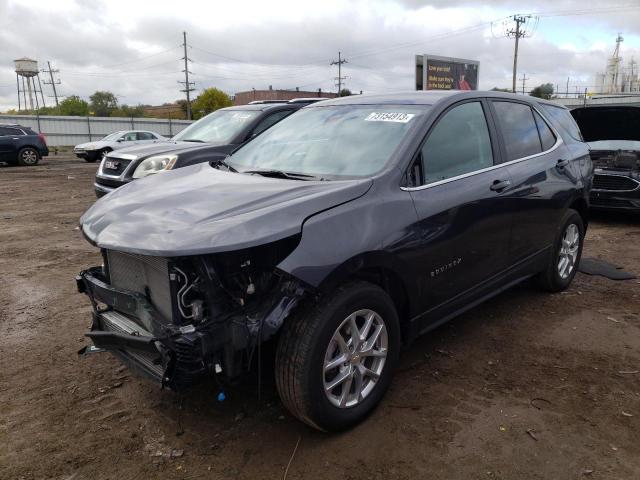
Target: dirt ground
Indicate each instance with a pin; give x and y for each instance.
(527, 386)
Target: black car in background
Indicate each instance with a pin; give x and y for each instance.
(210, 138)
(613, 136)
(21, 145)
(341, 233)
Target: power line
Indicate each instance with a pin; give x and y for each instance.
(518, 30)
(53, 82)
(339, 78)
(524, 79)
(187, 84)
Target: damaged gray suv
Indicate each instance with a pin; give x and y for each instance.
(340, 234)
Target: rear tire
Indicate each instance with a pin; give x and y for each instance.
(567, 251)
(28, 157)
(318, 349)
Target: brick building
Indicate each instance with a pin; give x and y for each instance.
(242, 98)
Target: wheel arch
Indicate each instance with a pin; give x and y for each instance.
(384, 270)
(581, 206)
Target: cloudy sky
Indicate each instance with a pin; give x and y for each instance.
(132, 48)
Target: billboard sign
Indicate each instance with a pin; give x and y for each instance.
(446, 73)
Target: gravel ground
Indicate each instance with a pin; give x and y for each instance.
(528, 385)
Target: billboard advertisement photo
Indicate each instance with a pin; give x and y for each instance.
(445, 73)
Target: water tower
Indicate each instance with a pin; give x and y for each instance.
(27, 73)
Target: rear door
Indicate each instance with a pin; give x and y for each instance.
(544, 177)
(463, 218)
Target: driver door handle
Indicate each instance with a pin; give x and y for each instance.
(562, 163)
(499, 185)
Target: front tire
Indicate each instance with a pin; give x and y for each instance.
(99, 155)
(336, 357)
(567, 251)
(28, 157)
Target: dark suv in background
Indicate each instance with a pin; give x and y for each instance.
(341, 233)
(21, 146)
(210, 138)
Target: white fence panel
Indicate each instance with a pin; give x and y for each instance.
(69, 131)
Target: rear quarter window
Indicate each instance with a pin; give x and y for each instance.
(564, 122)
(547, 137)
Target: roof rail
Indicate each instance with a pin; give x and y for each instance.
(258, 102)
(307, 99)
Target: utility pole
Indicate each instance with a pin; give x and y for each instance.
(517, 33)
(187, 84)
(524, 79)
(339, 78)
(515, 28)
(53, 82)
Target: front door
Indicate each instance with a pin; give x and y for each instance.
(464, 221)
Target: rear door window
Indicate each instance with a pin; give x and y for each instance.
(458, 144)
(519, 129)
(145, 136)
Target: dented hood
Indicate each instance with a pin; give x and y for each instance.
(200, 209)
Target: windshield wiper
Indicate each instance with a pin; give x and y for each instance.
(222, 162)
(192, 140)
(283, 174)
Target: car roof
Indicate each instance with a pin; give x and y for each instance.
(425, 97)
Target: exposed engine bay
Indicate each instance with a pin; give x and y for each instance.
(616, 159)
(180, 319)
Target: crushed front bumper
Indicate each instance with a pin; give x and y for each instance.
(126, 324)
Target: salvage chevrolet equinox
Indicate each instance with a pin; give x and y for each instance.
(341, 233)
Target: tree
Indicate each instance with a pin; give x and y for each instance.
(183, 106)
(210, 100)
(74, 106)
(345, 92)
(542, 91)
(103, 103)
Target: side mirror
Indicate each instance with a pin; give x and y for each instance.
(120, 140)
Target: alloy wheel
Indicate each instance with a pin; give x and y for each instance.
(355, 358)
(29, 157)
(568, 251)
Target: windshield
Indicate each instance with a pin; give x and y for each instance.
(113, 136)
(218, 127)
(335, 141)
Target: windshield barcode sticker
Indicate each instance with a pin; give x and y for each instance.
(398, 117)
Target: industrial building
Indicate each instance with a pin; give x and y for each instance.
(243, 98)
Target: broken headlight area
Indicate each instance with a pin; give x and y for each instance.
(180, 319)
